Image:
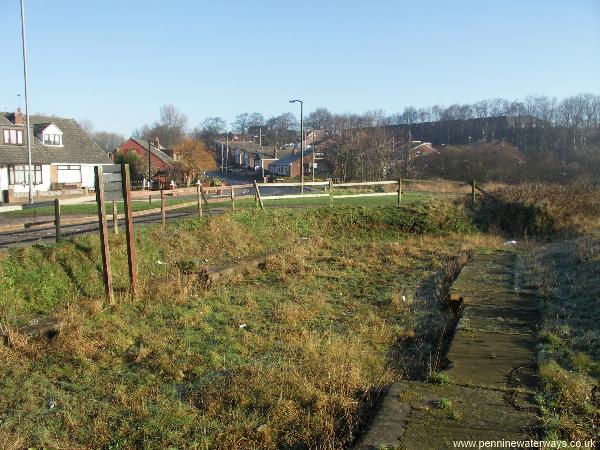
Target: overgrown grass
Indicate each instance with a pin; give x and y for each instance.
(281, 357)
(540, 208)
(566, 275)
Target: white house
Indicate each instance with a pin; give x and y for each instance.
(63, 156)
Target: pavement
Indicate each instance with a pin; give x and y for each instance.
(491, 374)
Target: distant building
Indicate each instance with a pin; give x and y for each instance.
(289, 165)
(63, 156)
(158, 158)
(419, 148)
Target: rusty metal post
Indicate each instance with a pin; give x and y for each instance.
(131, 257)
(107, 274)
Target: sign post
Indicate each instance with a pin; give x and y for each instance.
(131, 257)
(113, 182)
(100, 200)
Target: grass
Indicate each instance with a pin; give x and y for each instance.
(408, 198)
(282, 357)
(565, 275)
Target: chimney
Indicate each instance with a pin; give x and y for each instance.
(157, 143)
(275, 153)
(19, 119)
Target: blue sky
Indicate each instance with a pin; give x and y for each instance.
(116, 62)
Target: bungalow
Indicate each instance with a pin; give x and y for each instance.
(289, 165)
(160, 158)
(63, 156)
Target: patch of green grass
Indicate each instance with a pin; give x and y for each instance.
(438, 378)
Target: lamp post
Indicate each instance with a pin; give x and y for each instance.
(29, 162)
(149, 166)
(227, 153)
(301, 143)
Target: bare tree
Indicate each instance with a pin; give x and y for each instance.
(169, 129)
(108, 141)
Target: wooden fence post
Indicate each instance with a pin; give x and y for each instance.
(232, 199)
(258, 197)
(131, 257)
(205, 198)
(115, 217)
(199, 200)
(107, 275)
(57, 218)
(399, 191)
(330, 193)
(473, 190)
(162, 207)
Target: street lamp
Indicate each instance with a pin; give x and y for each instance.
(227, 153)
(26, 101)
(301, 144)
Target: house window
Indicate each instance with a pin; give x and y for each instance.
(69, 174)
(13, 137)
(52, 139)
(20, 175)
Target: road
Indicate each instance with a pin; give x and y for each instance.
(34, 236)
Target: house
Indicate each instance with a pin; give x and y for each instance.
(63, 156)
(419, 148)
(289, 165)
(161, 159)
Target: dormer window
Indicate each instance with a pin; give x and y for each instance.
(52, 139)
(13, 137)
(49, 134)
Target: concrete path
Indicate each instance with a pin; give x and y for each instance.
(488, 387)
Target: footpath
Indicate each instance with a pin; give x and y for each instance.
(486, 392)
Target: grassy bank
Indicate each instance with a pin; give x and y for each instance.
(282, 357)
(565, 275)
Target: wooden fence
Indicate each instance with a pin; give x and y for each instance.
(59, 220)
(325, 189)
(329, 187)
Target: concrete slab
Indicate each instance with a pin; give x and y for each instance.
(427, 416)
(489, 359)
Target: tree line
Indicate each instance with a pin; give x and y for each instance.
(370, 145)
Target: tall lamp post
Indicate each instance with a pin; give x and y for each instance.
(149, 166)
(301, 143)
(29, 162)
(227, 153)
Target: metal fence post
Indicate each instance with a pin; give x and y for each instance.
(57, 218)
(162, 207)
